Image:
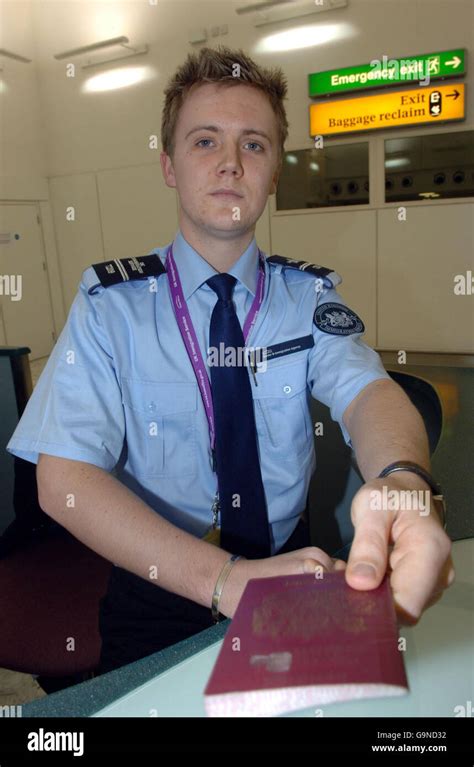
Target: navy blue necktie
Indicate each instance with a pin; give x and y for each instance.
(244, 519)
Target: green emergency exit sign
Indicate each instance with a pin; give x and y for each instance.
(382, 72)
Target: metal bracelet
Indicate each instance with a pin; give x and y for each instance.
(220, 585)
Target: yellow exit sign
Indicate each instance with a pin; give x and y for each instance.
(388, 110)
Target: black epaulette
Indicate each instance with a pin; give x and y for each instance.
(125, 269)
(329, 277)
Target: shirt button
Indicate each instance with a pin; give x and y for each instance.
(287, 389)
(151, 407)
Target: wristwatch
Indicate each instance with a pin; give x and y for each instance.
(415, 468)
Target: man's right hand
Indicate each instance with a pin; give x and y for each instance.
(306, 560)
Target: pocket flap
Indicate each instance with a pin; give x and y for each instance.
(283, 381)
(157, 398)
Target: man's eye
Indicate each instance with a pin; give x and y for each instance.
(256, 146)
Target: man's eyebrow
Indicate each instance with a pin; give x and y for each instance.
(215, 129)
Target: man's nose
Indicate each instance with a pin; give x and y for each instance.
(231, 158)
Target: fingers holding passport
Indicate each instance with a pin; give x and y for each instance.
(311, 559)
(315, 558)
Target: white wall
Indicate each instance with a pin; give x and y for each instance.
(94, 151)
(350, 250)
(419, 258)
(23, 160)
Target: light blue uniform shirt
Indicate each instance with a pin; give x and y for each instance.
(119, 390)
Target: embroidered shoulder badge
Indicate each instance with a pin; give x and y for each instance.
(337, 320)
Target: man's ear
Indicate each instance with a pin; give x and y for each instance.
(167, 170)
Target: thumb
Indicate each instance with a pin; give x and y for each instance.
(367, 562)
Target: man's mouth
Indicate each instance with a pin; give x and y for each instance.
(226, 193)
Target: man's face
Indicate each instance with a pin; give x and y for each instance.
(226, 138)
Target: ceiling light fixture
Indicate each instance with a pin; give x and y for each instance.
(274, 11)
(93, 47)
(115, 42)
(261, 6)
(14, 56)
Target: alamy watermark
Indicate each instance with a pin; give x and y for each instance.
(11, 712)
(237, 356)
(401, 500)
(404, 69)
(45, 740)
(11, 285)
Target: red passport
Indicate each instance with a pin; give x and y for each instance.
(297, 641)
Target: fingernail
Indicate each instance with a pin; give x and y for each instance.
(451, 577)
(364, 570)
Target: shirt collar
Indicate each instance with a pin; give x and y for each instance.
(194, 270)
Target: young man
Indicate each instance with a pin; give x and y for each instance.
(205, 449)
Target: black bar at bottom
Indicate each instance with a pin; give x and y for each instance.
(428, 740)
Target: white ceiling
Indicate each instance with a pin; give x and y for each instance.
(38, 29)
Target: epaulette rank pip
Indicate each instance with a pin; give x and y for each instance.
(125, 269)
(328, 277)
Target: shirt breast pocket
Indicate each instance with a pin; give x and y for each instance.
(282, 412)
(160, 422)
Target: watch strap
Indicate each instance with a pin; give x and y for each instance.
(415, 468)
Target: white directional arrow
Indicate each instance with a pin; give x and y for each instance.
(454, 63)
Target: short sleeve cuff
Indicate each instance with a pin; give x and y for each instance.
(30, 450)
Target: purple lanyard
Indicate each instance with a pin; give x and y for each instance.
(186, 328)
